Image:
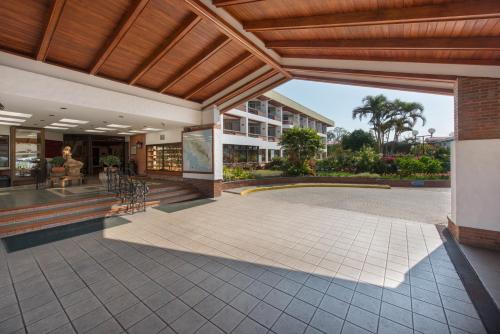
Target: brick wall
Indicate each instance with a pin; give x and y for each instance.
(475, 236)
(209, 188)
(477, 102)
(140, 156)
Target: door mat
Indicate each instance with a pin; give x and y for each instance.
(37, 238)
(169, 208)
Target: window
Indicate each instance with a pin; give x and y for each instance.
(4, 151)
(254, 128)
(165, 157)
(28, 151)
(255, 107)
(232, 124)
(234, 154)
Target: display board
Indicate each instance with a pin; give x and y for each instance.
(198, 151)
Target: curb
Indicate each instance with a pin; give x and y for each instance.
(314, 185)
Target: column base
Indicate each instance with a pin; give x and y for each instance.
(474, 236)
(209, 188)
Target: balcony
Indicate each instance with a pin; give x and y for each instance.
(233, 132)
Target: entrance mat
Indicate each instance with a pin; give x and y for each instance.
(169, 208)
(37, 238)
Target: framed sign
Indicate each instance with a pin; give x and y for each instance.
(197, 148)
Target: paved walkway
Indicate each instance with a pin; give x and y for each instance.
(241, 265)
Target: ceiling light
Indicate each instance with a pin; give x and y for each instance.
(15, 114)
(105, 129)
(63, 108)
(151, 129)
(119, 126)
(65, 125)
(55, 127)
(125, 133)
(9, 123)
(136, 131)
(73, 121)
(95, 131)
(10, 119)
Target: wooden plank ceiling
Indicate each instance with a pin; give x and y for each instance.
(185, 48)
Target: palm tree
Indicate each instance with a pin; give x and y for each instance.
(378, 111)
(406, 116)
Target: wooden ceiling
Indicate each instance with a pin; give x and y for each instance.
(185, 48)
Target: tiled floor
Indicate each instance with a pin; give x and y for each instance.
(243, 265)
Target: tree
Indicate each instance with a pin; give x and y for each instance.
(405, 117)
(355, 140)
(378, 110)
(300, 145)
(335, 135)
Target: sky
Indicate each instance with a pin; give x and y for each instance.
(337, 102)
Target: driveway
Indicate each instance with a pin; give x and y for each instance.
(284, 261)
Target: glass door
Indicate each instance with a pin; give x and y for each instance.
(27, 152)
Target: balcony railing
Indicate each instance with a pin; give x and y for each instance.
(274, 116)
(256, 112)
(233, 132)
(273, 138)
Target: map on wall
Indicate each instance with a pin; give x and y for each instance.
(197, 151)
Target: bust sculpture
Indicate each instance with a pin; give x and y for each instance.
(71, 165)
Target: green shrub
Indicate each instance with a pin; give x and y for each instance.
(431, 165)
(110, 160)
(296, 169)
(276, 164)
(57, 161)
(237, 173)
(409, 166)
(366, 160)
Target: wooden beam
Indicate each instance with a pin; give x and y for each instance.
(450, 11)
(411, 88)
(249, 85)
(370, 73)
(213, 78)
(191, 66)
(257, 93)
(448, 43)
(224, 3)
(50, 28)
(133, 13)
(200, 8)
(463, 61)
(165, 48)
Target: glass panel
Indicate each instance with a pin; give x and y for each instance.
(165, 157)
(4, 151)
(27, 151)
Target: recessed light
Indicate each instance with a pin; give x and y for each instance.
(73, 121)
(51, 115)
(120, 116)
(125, 133)
(9, 123)
(65, 125)
(42, 120)
(95, 131)
(151, 129)
(10, 119)
(63, 108)
(105, 129)
(136, 131)
(119, 126)
(15, 114)
(55, 127)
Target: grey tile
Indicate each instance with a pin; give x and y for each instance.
(64, 329)
(458, 306)
(173, 310)
(227, 292)
(209, 306)
(397, 314)
(309, 295)
(91, 319)
(353, 329)
(38, 300)
(209, 328)
(340, 292)
(334, 306)
(270, 278)
(300, 310)
(426, 296)
(428, 326)
(278, 299)
(244, 302)
(298, 276)
(9, 311)
(362, 318)
(109, 326)
(317, 283)
(397, 299)
(265, 314)
(188, 323)
(386, 326)
(197, 276)
(226, 274)
(464, 322)
(49, 323)
(159, 299)
(193, 296)
(133, 315)
(326, 322)
(366, 302)
(41, 312)
(12, 324)
(289, 286)
(228, 318)
(258, 289)
(211, 284)
(147, 289)
(428, 310)
(179, 287)
(249, 326)
(241, 281)
(76, 297)
(151, 325)
(288, 325)
(121, 303)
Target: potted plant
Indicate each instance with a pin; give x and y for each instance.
(110, 161)
(57, 165)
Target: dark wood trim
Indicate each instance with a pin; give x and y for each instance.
(490, 62)
(199, 59)
(224, 3)
(242, 89)
(54, 17)
(463, 43)
(411, 88)
(254, 95)
(120, 32)
(225, 70)
(165, 48)
(370, 73)
(452, 11)
(200, 8)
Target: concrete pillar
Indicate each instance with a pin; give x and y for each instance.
(202, 161)
(475, 217)
(244, 125)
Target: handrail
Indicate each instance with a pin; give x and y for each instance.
(132, 192)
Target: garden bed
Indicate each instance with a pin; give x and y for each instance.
(338, 179)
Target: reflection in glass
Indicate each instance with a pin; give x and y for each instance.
(4, 151)
(27, 151)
